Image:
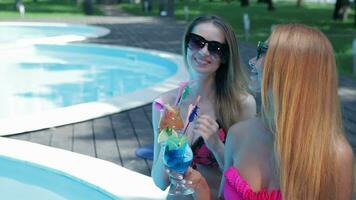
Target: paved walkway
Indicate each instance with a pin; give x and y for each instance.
(115, 137)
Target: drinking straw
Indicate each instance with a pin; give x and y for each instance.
(184, 94)
(190, 109)
(168, 107)
(180, 90)
(192, 114)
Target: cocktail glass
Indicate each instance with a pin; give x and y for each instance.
(177, 158)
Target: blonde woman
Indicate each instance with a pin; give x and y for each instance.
(296, 149)
(212, 58)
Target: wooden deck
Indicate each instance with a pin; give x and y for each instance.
(113, 138)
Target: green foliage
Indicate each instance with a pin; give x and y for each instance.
(317, 15)
(44, 8)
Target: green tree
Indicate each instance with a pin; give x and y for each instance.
(299, 3)
(88, 7)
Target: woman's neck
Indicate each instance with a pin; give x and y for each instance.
(205, 87)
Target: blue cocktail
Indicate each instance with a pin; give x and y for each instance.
(177, 157)
(177, 153)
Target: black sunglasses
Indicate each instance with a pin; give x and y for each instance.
(197, 42)
(262, 48)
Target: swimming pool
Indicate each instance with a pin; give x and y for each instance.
(40, 172)
(48, 83)
(24, 32)
(34, 182)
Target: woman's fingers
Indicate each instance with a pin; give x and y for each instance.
(174, 175)
(192, 177)
(206, 126)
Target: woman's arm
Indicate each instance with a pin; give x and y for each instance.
(248, 108)
(235, 138)
(228, 161)
(158, 174)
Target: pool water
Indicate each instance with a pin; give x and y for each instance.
(48, 82)
(53, 76)
(35, 182)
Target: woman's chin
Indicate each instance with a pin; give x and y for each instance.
(204, 69)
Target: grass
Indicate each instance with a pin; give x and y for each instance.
(44, 9)
(317, 15)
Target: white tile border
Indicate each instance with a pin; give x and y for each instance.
(121, 182)
(99, 31)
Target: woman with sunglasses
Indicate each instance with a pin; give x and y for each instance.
(211, 55)
(296, 148)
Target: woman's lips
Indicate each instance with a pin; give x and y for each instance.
(201, 61)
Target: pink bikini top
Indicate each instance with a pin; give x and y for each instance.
(236, 188)
(202, 155)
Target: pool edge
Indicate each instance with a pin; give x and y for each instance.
(103, 174)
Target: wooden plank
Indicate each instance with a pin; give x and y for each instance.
(127, 143)
(41, 137)
(62, 137)
(105, 142)
(350, 106)
(148, 112)
(350, 133)
(349, 115)
(351, 126)
(142, 126)
(83, 138)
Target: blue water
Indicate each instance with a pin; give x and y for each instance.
(51, 76)
(23, 180)
(117, 72)
(178, 160)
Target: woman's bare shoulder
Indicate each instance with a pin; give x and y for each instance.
(344, 168)
(248, 105)
(241, 130)
(344, 152)
(169, 96)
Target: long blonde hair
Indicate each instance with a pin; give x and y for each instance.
(230, 78)
(301, 106)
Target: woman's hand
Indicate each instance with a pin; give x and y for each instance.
(208, 128)
(195, 180)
